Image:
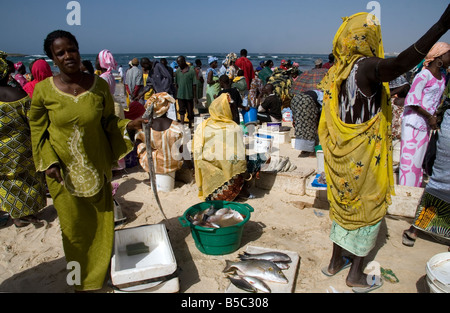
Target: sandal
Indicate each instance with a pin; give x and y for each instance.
(347, 264)
(368, 288)
(26, 220)
(407, 239)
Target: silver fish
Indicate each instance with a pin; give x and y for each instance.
(282, 265)
(242, 283)
(270, 256)
(263, 269)
(257, 283)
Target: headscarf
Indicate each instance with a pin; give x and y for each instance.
(212, 59)
(40, 70)
(439, 48)
(17, 65)
(107, 61)
(358, 157)
(4, 68)
(161, 103)
(231, 57)
(218, 148)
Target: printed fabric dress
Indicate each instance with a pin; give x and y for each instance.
(426, 91)
(165, 149)
(83, 135)
(356, 140)
(22, 189)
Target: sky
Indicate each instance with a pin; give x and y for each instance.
(203, 26)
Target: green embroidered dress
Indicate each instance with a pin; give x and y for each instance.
(22, 190)
(83, 135)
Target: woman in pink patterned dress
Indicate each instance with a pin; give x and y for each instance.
(419, 114)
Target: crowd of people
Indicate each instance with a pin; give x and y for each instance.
(65, 134)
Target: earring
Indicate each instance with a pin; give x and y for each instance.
(440, 64)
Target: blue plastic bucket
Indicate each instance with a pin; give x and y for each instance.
(251, 116)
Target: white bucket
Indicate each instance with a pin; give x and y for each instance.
(263, 143)
(165, 182)
(438, 273)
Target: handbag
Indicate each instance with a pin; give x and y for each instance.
(430, 154)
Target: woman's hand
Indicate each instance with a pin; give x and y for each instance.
(55, 172)
(432, 121)
(136, 124)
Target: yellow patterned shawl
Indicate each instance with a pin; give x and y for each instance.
(358, 157)
(218, 148)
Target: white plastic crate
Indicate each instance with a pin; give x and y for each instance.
(159, 261)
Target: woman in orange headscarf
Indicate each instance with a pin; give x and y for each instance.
(355, 134)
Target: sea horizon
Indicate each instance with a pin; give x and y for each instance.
(305, 60)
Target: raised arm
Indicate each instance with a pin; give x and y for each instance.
(385, 70)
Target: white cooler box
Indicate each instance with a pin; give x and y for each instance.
(143, 260)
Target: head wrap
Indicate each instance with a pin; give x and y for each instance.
(358, 157)
(17, 65)
(212, 59)
(135, 61)
(161, 103)
(4, 68)
(218, 148)
(439, 48)
(106, 60)
(40, 70)
(231, 57)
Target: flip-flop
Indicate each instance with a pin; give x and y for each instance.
(347, 264)
(407, 240)
(368, 288)
(27, 220)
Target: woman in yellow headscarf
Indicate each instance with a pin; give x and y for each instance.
(355, 134)
(221, 165)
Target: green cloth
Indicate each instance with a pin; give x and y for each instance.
(84, 136)
(184, 82)
(22, 189)
(265, 74)
(359, 241)
(212, 91)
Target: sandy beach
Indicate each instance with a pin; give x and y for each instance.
(32, 259)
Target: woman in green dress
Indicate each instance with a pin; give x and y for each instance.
(212, 81)
(76, 140)
(22, 190)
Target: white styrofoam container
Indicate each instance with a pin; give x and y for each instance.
(158, 262)
(278, 137)
(438, 273)
(169, 286)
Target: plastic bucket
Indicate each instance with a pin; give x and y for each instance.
(263, 143)
(165, 182)
(250, 116)
(217, 241)
(275, 126)
(438, 273)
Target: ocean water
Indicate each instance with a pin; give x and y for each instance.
(305, 61)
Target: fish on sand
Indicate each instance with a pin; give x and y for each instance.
(262, 269)
(273, 256)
